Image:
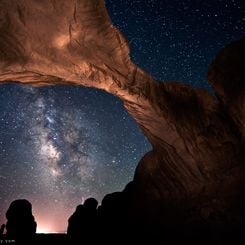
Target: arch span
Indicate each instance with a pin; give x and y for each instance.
(197, 148)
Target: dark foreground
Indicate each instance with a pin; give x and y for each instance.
(181, 235)
(52, 238)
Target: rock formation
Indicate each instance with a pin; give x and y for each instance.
(195, 170)
(20, 221)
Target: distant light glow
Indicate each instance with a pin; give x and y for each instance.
(46, 229)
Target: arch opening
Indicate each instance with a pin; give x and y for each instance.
(62, 144)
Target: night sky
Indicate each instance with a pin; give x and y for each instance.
(60, 145)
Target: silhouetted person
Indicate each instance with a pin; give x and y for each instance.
(20, 221)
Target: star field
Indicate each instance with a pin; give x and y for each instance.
(62, 144)
(176, 39)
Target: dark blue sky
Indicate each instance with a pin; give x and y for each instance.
(59, 145)
(176, 39)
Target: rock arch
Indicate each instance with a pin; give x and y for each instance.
(197, 142)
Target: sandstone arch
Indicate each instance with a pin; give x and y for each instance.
(197, 146)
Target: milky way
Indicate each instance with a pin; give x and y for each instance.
(60, 145)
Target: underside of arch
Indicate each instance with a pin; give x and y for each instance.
(197, 140)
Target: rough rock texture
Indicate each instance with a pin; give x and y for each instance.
(227, 75)
(197, 158)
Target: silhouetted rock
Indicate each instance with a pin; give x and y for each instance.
(75, 223)
(83, 223)
(90, 220)
(112, 207)
(116, 217)
(20, 221)
(2, 230)
(227, 75)
(91, 204)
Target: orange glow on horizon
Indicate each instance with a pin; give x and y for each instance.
(51, 222)
(47, 229)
